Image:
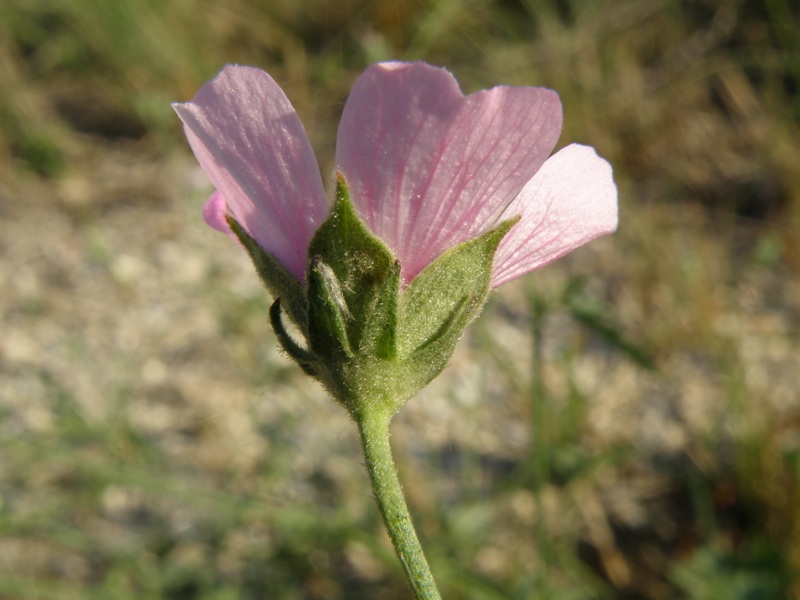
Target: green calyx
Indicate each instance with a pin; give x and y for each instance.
(371, 343)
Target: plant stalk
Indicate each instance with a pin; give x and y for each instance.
(374, 431)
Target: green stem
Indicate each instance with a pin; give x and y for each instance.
(374, 430)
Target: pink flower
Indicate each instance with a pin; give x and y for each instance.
(428, 168)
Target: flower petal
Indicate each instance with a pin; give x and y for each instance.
(428, 167)
(251, 144)
(569, 202)
(214, 211)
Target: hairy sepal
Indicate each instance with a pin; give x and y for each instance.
(442, 300)
(278, 281)
(371, 343)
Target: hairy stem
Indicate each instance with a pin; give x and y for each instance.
(374, 430)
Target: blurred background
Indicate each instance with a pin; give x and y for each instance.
(624, 423)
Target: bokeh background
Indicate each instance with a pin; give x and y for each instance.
(624, 423)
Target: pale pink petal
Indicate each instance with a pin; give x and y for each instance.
(569, 202)
(251, 144)
(428, 167)
(214, 211)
